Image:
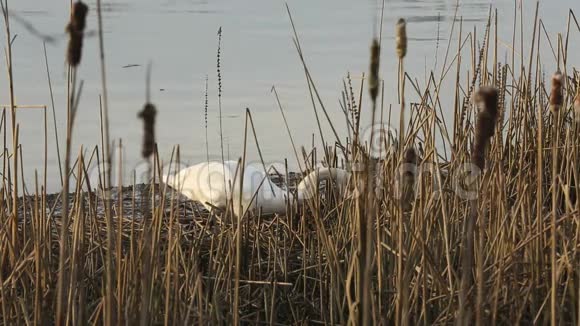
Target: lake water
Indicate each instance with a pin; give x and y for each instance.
(180, 38)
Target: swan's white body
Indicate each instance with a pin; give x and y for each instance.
(216, 183)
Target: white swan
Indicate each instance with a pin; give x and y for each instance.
(213, 185)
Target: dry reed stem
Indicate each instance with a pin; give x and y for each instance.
(487, 99)
(14, 216)
(75, 28)
(109, 303)
(577, 104)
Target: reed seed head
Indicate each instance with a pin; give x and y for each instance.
(487, 99)
(75, 29)
(556, 94)
(148, 115)
(206, 102)
(374, 70)
(401, 38)
(219, 66)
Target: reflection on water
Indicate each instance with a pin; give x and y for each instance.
(189, 11)
(115, 7)
(179, 38)
(30, 13)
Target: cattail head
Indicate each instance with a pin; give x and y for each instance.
(487, 99)
(148, 115)
(75, 29)
(556, 93)
(410, 156)
(374, 70)
(401, 38)
(79, 15)
(408, 178)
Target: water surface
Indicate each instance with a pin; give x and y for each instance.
(180, 38)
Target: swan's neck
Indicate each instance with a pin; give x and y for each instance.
(309, 186)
